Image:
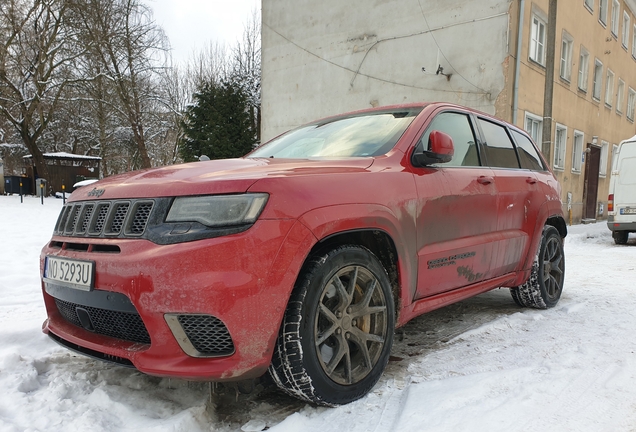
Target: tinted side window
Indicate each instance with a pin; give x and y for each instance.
(528, 155)
(460, 130)
(499, 149)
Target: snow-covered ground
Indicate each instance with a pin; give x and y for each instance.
(479, 365)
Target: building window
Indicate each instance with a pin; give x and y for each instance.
(602, 172)
(616, 10)
(609, 88)
(620, 94)
(566, 57)
(534, 127)
(584, 59)
(589, 4)
(560, 140)
(602, 12)
(597, 79)
(631, 101)
(634, 42)
(537, 40)
(626, 26)
(614, 156)
(577, 152)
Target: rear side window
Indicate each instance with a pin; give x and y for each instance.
(528, 155)
(458, 126)
(499, 150)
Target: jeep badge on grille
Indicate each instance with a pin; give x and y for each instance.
(96, 192)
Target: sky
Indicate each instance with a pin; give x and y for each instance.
(481, 365)
(191, 24)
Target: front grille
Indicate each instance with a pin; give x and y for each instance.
(116, 324)
(142, 214)
(126, 218)
(121, 210)
(208, 334)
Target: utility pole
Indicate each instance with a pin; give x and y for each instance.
(548, 93)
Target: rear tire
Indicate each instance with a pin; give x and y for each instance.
(620, 237)
(337, 331)
(543, 288)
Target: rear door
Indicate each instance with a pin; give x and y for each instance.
(520, 192)
(625, 184)
(456, 211)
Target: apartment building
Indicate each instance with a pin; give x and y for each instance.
(321, 58)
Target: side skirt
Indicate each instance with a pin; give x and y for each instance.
(437, 301)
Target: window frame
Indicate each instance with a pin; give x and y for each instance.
(626, 26)
(536, 48)
(602, 171)
(577, 154)
(489, 147)
(620, 95)
(616, 13)
(536, 119)
(602, 12)
(597, 80)
(631, 104)
(614, 157)
(584, 68)
(567, 43)
(634, 41)
(589, 4)
(560, 149)
(474, 130)
(609, 87)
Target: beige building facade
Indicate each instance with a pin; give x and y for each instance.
(594, 93)
(322, 58)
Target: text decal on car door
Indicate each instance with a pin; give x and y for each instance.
(447, 261)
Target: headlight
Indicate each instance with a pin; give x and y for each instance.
(218, 210)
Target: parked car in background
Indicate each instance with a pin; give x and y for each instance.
(621, 206)
(303, 257)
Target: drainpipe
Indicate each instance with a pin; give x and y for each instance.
(515, 91)
(546, 145)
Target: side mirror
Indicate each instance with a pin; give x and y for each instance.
(441, 150)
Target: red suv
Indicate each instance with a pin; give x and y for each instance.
(304, 256)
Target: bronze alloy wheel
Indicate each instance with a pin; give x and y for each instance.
(337, 332)
(351, 325)
(544, 286)
(553, 267)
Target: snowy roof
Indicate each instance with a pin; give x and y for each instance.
(64, 155)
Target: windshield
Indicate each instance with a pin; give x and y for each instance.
(370, 134)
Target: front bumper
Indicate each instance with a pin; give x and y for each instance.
(242, 280)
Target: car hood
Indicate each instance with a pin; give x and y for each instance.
(210, 177)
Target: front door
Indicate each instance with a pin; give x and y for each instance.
(456, 214)
(590, 188)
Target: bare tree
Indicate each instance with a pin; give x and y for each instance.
(209, 65)
(38, 51)
(131, 49)
(246, 69)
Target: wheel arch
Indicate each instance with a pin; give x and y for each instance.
(558, 222)
(379, 242)
(382, 230)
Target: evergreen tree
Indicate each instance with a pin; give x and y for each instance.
(217, 124)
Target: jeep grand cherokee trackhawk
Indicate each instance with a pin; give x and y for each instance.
(303, 257)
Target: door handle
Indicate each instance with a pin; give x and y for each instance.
(531, 180)
(485, 180)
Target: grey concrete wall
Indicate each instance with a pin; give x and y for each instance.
(323, 58)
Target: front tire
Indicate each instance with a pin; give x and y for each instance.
(543, 289)
(337, 331)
